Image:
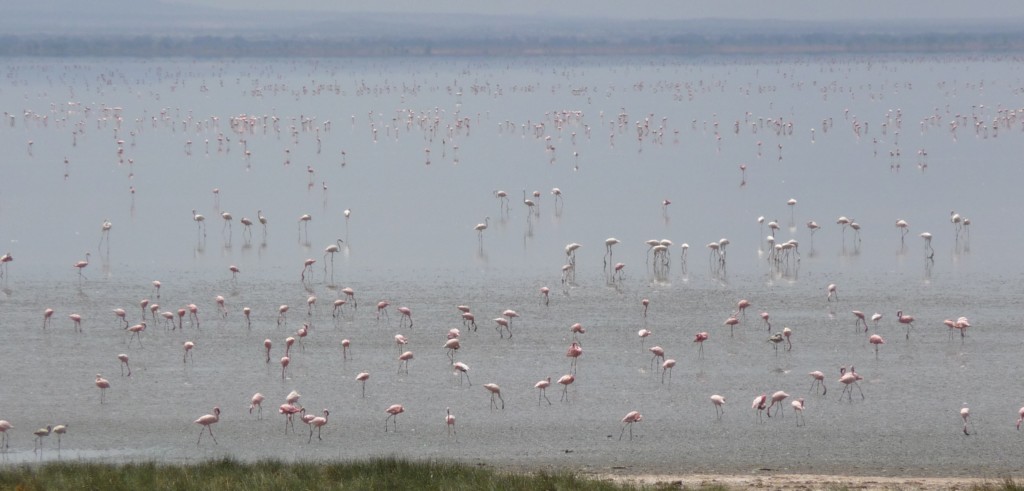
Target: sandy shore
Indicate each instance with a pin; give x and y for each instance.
(804, 481)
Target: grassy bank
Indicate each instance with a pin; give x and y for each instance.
(389, 474)
(383, 474)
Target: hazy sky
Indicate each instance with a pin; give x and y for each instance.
(663, 9)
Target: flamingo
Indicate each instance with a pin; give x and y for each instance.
(876, 340)
(630, 418)
(345, 343)
(103, 385)
(544, 291)
(124, 364)
(40, 434)
(206, 421)
(849, 380)
(318, 422)
(929, 251)
(731, 322)
(304, 221)
(403, 360)
(331, 249)
(718, 401)
(860, 319)
(759, 405)
(480, 227)
(965, 414)
(449, 421)
(831, 289)
(81, 265)
(699, 338)
(574, 352)
(77, 320)
(905, 319)
(227, 224)
(798, 409)
(120, 313)
(257, 402)
(542, 389)
(565, 381)
(382, 307)
(393, 411)
(452, 345)
(777, 398)
(200, 222)
(645, 302)
(875, 318)
(281, 311)
(187, 346)
(667, 366)
(462, 369)
(904, 228)
(764, 317)
(658, 352)
(285, 360)
(406, 314)
(289, 410)
(47, 314)
(1020, 417)
(495, 392)
(307, 264)
(819, 379)
(4, 426)
(263, 221)
(362, 378)
(351, 295)
(4, 259)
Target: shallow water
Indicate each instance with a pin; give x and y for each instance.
(410, 240)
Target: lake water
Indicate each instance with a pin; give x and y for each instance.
(415, 149)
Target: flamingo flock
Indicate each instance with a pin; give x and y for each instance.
(632, 296)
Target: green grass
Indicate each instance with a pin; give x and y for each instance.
(383, 473)
(221, 475)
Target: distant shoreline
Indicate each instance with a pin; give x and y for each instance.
(204, 46)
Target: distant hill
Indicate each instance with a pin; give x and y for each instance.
(138, 28)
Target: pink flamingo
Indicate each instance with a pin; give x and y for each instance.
(574, 352)
(630, 418)
(452, 345)
(362, 378)
(136, 331)
(777, 398)
(462, 369)
(351, 295)
(257, 402)
(47, 314)
(544, 291)
(403, 360)
(289, 410)
(658, 352)
(4, 426)
(849, 380)
(307, 265)
(103, 385)
(495, 392)
(285, 360)
(188, 351)
(759, 404)
(699, 339)
(318, 422)
(339, 305)
(124, 363)
(246, 311)
(169, 317)
(469, 318)
(565, 381)
(860, 319)
(819, 379)
(121, 314)
(764, 317)
(741, 306)
(731, 322)
(206, 420)
(905, 319)
(798, 409)
(400, 341)
(502, 322)
(645, 302)
(542, 388)
(876, 340)
(575, 329)
(193, 313)
(449, 421)
(280, 314)
(288, 342)
(393, 411)
(77, 319)
(266, 345)
(718, 401)
(81, 265)
(667, 365)
(832, 292)
(382, 307)
(1020, 417)
(406, 314)
(345, 343)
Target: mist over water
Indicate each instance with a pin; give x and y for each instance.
(415, 149)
